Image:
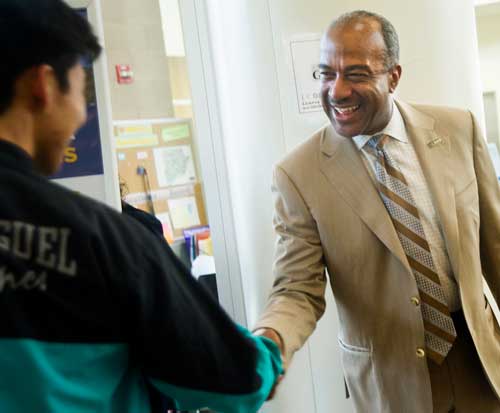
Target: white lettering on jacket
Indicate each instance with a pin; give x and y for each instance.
(47, 246)
(30, 280)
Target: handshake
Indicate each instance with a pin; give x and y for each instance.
(276, 338)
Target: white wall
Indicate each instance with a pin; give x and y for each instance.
(260, 123)
(253, 135)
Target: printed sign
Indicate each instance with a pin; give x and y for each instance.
(305, 56)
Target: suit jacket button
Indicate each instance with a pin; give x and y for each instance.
(415, 301)
(420, 353)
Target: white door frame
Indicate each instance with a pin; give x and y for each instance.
(212, 156)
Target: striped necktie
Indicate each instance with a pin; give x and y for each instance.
(393, 188)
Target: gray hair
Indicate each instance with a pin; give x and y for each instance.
(391, 54)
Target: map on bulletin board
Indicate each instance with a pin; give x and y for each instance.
(174, 165)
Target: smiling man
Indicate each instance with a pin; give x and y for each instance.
(358, 74)
(400, 204)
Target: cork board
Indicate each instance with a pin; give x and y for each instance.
(156, 165)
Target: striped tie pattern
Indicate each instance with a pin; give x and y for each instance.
(393, 188)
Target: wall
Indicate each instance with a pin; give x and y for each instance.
(134, 35)
(181, 92)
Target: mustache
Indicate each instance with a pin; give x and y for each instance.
(339, 102)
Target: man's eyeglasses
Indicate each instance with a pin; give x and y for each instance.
(326, 75)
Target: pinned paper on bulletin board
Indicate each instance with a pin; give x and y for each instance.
(305, 57)
(184, 212)
(129, 130)
(135, 136)
(137, 141)
(174, 165)
(168, 232)
(175, 132)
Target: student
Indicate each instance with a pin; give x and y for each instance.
(93, 306)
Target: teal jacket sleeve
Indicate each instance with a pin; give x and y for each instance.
(267, 368)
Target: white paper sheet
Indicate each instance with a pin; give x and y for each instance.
(164, 218)
(305, 58)
(184, 212)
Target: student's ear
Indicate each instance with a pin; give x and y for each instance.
(43, 86)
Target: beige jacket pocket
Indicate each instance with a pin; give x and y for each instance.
(359, 376)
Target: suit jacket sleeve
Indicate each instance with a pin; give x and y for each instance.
(489, 210)
(297, 299)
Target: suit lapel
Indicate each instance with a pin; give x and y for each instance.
(433, 151)
(342, 164)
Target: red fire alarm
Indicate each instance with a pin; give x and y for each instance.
(124, 74)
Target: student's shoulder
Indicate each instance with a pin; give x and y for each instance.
(95, 218)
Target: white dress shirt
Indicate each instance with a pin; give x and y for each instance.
(401, 149)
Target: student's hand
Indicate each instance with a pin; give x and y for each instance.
(275, 337)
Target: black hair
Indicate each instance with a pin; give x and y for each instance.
(391, 40)
(36, 32)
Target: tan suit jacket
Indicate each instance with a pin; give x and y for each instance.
(329, 215)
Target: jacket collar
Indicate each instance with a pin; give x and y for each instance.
(15, 157)
(343, 166)
(412, 117)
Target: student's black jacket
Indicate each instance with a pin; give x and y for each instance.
(92, 306)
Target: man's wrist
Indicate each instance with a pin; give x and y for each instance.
(271, 334)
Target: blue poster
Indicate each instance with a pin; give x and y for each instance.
(83, 156)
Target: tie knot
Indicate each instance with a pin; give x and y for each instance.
(377, 142)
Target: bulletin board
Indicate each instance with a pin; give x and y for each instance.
(156, 164)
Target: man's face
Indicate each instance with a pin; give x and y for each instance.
(65, 114)
(355, 84)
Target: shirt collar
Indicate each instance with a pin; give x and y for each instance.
(395, 129)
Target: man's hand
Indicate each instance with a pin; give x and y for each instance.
(274, 336)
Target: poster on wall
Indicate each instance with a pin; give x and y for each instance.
(83, 156)
(82, 168)
(305, 56)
